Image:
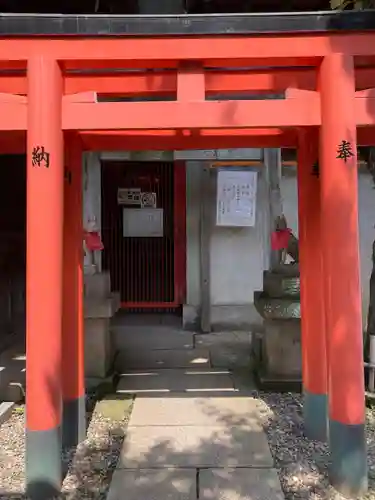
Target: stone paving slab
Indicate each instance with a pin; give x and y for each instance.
(129, 359)
(194, 446)
(197, 411)
(160, 484)
(175, 381)
(239, 484)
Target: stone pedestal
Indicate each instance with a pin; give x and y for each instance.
(278, 349)
(100, 306)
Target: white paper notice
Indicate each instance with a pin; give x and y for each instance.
(236, 198)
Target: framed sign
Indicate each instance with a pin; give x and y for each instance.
(236, 197)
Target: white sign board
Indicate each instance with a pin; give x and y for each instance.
(127, 196)
(236, 198)
(143, 222)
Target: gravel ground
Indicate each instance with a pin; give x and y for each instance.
(303, 464)
(90, 470)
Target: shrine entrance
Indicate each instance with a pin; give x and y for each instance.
(139, 227)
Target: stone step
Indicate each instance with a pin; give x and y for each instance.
(175, 381)
(13, 374)
(130, 359)
(280, 286)
(97, 285)
(227, 349)
(133, 337)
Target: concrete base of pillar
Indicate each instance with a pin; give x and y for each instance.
(97, 347)
(100, 306)
(277, 354)
(190, 318)
(281, 348)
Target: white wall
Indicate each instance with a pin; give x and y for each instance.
(237, 254)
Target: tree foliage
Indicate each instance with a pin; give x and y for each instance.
(352, 4)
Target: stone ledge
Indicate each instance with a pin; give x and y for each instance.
(97, 285)
(6, 409)
(224, 317)
(96, 307)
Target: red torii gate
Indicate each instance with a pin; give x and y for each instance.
(330, 105)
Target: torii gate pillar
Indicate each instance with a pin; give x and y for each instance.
(314, 352)
(339, 207)
(45, 191)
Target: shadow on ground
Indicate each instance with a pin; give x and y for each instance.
(301, 464)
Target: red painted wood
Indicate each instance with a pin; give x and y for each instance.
(73, 323)
(314, 356)
(291, 49)
(339, 205)
(45, 215)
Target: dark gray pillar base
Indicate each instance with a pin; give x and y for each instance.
(348, 473)
(315, 413)
(43, 464)
(74, 423)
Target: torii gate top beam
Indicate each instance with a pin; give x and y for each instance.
(294, 43)
(185, 24)
(81, 42)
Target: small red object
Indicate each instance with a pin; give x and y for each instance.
(280, 239)
(93, 241)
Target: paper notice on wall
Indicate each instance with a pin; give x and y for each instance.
(236, 198)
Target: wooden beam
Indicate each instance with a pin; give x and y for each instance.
(101, 142)
(191, 115)
(211, 50)
(191, 83)
(15, 142)
(165, 83)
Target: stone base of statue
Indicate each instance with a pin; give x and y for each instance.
(277, 350)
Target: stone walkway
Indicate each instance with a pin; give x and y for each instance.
(189, 446)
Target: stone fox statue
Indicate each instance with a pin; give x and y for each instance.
(292, 248)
